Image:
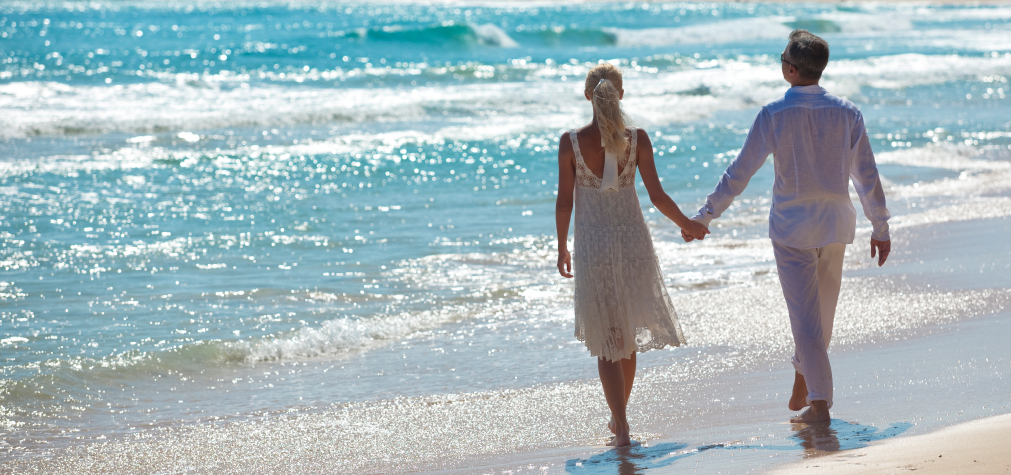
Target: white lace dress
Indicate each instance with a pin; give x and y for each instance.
(622, 305)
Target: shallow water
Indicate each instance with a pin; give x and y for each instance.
(224, 212)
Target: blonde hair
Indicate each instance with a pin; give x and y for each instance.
(603, 81)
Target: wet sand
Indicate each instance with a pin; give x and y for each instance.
(972, 447)
(891, 392)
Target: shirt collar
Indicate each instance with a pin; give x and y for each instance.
(812, 89)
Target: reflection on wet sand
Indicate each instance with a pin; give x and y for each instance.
(631, 460)
(835, 435)
(635, 459)
(815, 439)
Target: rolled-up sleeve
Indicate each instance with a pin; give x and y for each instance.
(864, 173)
(757, 147)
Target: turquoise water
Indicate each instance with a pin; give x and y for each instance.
(217, 210)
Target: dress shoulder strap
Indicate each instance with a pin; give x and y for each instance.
(627, 176)
(575, 145)
(633, 151)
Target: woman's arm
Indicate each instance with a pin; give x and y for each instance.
(563, 204)
(659, 198)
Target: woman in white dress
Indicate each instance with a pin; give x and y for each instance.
(622, 306)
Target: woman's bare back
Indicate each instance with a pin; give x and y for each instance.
(593, 153)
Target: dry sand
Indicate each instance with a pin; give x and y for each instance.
(979, 446)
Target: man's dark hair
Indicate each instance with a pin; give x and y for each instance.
(808, 53)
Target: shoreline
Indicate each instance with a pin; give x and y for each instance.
(977, 446)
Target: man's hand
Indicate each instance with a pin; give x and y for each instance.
(565, 263)
(686, 237)
(882, 248)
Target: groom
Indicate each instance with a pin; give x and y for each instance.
(818, 142)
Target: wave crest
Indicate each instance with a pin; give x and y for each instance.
(447, 34)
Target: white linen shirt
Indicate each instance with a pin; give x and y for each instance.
(818, 142)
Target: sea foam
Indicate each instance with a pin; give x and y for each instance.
(56, 109)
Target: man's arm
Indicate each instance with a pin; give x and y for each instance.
(864, 172)
(757, 147)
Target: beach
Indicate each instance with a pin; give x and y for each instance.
(283, 237)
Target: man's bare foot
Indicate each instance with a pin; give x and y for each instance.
(818, 412)
(610, 425)
(798, 400)
(621, 438)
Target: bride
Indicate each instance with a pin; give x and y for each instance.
(622, 306)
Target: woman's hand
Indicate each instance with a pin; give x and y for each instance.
(565, 263)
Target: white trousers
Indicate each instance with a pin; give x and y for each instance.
(811, 279)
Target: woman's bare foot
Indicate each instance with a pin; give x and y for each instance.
(621, 438)
(610, 425)
(818, 412)
(798, 400)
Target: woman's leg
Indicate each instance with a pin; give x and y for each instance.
(613, 379)
(628, 372)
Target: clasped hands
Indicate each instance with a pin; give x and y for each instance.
(694, 231)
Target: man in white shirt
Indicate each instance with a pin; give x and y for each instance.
(818, 143)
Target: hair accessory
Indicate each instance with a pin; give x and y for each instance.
(601, 82)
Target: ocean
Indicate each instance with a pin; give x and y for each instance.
(218, 213)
